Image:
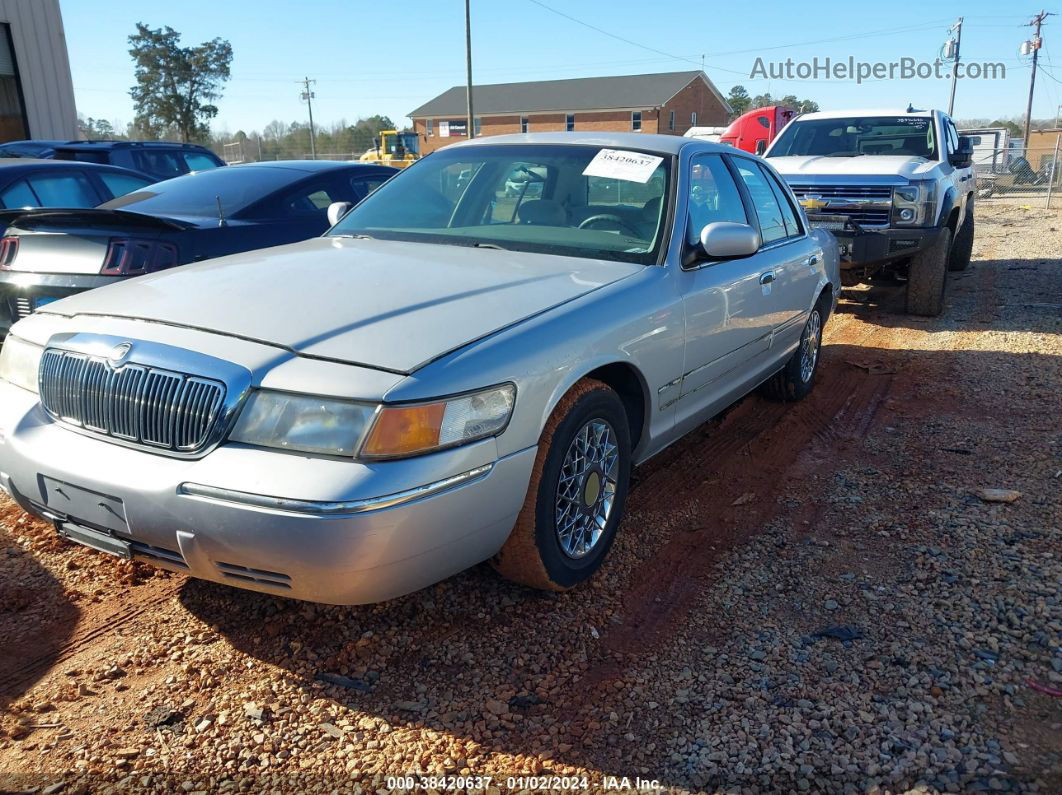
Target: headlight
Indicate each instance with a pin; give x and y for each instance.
(303, 423)
(409, 430)
(913, 204)
(20, 362)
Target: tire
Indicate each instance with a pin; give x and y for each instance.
(927, 276)
(536, 554)
(962, 249)
(796, 380)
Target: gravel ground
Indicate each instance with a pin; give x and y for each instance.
(813, 597)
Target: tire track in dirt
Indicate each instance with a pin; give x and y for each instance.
(32, 663)
(758, 448)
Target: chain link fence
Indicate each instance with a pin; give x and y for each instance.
(1019, 175)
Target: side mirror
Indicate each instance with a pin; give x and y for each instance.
(963, 156)
(728, 240)
(337, 210)
(761, 146)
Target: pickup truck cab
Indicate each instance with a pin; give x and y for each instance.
(896, 188)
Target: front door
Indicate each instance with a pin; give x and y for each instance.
(728, 327)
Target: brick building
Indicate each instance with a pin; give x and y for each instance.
(669, 102)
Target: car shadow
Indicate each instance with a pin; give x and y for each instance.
(37, 615)
(1033, 303)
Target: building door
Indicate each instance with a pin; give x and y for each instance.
(13, 125)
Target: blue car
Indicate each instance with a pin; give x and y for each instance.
(52, 253)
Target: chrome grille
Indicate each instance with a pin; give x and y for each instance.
(867, 205)
(23, 307)
(845, 191)
(143, 405)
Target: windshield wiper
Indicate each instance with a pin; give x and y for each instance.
(355, 237)
(489, 245)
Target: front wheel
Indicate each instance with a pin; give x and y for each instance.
(927, 276)
(577, 493)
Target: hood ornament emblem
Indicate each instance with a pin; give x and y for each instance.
(119, 354)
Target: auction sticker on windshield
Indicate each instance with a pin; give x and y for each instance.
(628, 166)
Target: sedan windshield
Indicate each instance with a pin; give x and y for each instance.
(907, 136)
(574, 200)
(199, 194)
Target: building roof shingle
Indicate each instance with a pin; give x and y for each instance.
(582, 93)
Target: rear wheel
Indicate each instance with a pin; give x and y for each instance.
(577, 492)
(927, 276)
(962, 249)
(797, 378)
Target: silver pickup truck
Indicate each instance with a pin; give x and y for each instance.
(896, 187)
(452, 374)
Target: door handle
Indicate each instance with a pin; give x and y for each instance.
(812, 261)
(767, 278)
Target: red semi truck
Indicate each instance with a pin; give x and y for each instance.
(751, 131)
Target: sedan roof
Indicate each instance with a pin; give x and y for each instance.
(308, 166)
(661, 144)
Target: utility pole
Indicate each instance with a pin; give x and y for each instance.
(307, 97)
(1032, 46)
(1057, 110)
(957, 28)
(468, 64)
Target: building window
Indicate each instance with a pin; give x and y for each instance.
(476, 127)
(569, 122)
(693, 119)
(671, 120)
(523, 124)
(429, 127)
(636, 121)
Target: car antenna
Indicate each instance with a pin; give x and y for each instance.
(221, 213)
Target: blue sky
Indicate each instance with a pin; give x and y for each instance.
(370, 57)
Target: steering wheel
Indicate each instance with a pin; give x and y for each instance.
(615, 219)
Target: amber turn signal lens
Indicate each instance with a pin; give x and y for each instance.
(405, 430)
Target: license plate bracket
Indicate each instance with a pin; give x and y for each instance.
(91, 507)
(95, 539)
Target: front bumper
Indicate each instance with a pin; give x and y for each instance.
(326, 538)
(870, 247)
(23, 292)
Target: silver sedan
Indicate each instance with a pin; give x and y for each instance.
(452, 374)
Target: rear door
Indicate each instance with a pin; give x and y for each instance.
(789, 255)
(728, 325)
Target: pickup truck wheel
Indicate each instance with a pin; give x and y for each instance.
(927, 276)
(962, 249)
(577, 492)
(797, 378)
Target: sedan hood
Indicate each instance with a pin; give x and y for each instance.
(389, 305)
(801, 168)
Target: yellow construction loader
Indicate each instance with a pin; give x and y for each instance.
(393, 148)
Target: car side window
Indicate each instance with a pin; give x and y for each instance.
(952, 136)
(713, 196)
(308, 200)
(121, 184)
(789, 215)
(197, 161)
(162, 164)
(769, 212)
(64, 190)
(363, 186)
(19, 194)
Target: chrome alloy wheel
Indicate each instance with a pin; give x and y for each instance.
(586, 489)
(809, 346)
